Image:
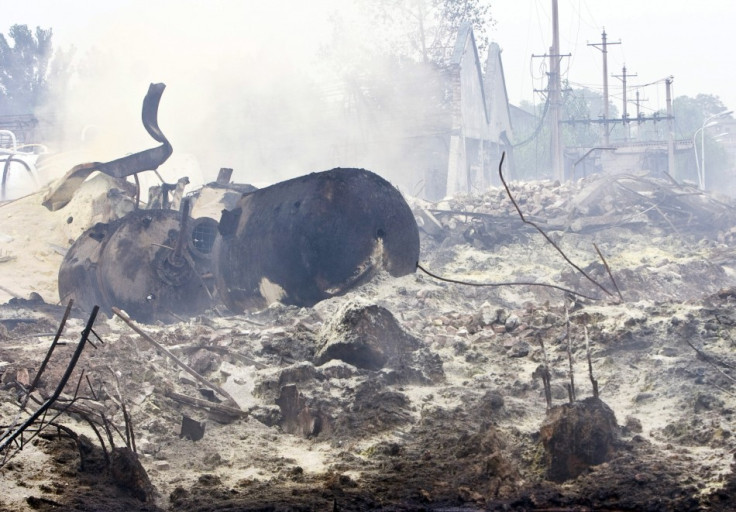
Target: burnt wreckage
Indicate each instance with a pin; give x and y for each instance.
(298, 242)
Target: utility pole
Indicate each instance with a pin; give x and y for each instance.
(638, 109)
(555, 103)
(670, 129)
(603, 47)
(625, 116)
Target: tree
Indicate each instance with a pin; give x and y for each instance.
(691, 112)
(23, 69)
(426, 29)
(532, 147)
(583, 105)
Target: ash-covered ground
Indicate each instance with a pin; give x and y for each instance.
(410, 393)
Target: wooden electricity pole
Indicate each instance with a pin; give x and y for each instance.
(625, 115)
(555, 97)
(603, 47)
(670, 128)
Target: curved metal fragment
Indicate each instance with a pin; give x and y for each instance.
(146, 160)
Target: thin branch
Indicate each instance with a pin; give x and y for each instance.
(62, 383)
(593, 381)
(715, 363)
(93, 425)
(546, 377)
(605, 264)
(571, 386)
(41, 369)
(129, 434)
(521, 215)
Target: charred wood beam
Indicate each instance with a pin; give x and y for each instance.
(205, 404)
(120, 314)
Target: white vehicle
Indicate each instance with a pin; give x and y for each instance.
(18, 164)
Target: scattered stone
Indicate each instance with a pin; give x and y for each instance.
(519, 349)
(632, 425)
(191, 429)
(162, 465)
(511, 323)
(204, 361)
(187, 379)
(369, 337)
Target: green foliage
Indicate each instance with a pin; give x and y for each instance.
(583, 105)
(534, 158)
(23, 69)
(691, 112)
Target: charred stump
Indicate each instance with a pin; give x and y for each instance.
(576, 436)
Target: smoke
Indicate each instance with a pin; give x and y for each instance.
(272, 90)
(238, 76)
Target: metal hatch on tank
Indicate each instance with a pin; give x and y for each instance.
(154, 264)
(313, 237)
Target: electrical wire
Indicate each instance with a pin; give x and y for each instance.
(536, 131)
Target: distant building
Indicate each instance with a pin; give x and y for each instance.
(432, 129)
(481, 121)
(446, 135)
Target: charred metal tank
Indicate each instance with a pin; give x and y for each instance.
(310, 238)
(154, 264)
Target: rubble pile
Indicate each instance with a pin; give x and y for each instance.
(417, 393)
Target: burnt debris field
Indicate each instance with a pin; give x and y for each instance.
(612, 390)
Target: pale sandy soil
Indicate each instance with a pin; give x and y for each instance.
(676, 407)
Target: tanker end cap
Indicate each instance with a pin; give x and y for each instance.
(229, 220)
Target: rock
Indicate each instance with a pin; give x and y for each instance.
(146, 447)
(511, 323)
(498, 328)
(269, 385)
(186, 378)
(519, 349)
(632, 425)
(337, 370)
(204, 361)
(707, 402)
(366, 337)
(162, 465)
(487, 315)
(576, 436)
(492, 401)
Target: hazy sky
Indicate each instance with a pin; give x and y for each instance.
(688, 40)
(209, 52)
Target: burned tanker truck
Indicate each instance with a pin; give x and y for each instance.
(310, 238)
(298, 242)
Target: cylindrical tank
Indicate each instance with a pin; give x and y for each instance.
(309, 238)
(141, 264)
